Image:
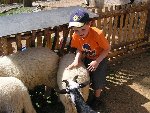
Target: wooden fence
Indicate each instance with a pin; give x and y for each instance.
(124, 27)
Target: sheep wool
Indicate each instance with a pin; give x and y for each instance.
(33, 66)
(14, 96)
(64, 74)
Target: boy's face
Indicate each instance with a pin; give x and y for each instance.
(82, 31)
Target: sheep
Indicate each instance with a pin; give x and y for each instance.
(73, 90)
(69, 74)
(38, 8)
(14, 96)
(33, 66)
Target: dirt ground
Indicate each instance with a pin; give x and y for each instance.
(128, 86)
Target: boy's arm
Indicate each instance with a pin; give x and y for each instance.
(103, 43)
(94, 64)
(103, 55)
(78, 55)
(76, 61)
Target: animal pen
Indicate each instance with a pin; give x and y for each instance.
(124, 27)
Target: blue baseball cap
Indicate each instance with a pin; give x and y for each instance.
(78, 18)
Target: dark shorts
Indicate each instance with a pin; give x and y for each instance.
(98, 77)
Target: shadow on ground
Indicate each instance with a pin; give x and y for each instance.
(128, 86)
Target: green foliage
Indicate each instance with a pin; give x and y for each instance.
(18, 11)
(10, 1)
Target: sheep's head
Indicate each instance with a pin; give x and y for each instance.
(72, 88)
(72, 84)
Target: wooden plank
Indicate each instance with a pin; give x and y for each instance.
(65, 36)
(1, 48)
(55, 45)
(4, 43)
(140, 24)
(125, 44)
(98, 23)
(135, 26)
(126, 28)
(28, 39)
(110, 27)
(33, 37)
(142, 44)
(144, 23)
(105, 28)
(48, 38)
(130, 27)
(39, 39)
(45, 37)
(9, 45)
(114, 30)
(70, 34)
(57, 39)
(18, 42)
(120, 32)
(98, 20)
(28, 43)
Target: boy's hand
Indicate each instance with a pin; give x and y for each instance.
(93, 65)
(74, 64)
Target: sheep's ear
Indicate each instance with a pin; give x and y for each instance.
(75, 79)
(63, 91)
(67, 83)
(84, 84)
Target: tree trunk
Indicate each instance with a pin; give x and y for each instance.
(92, 3)
(96, 3)
(27, 3)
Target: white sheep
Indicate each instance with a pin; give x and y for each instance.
(64, 74)
(14, 96)
(33, 66)
(76, 97)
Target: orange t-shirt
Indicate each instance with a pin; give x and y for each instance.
(92, 45)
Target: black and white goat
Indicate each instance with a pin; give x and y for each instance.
(72, 88)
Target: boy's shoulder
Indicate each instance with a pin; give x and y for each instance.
(97, 30)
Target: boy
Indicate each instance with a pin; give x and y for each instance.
(91, 43)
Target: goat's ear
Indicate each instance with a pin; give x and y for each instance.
(84, 84)
(63, 91)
